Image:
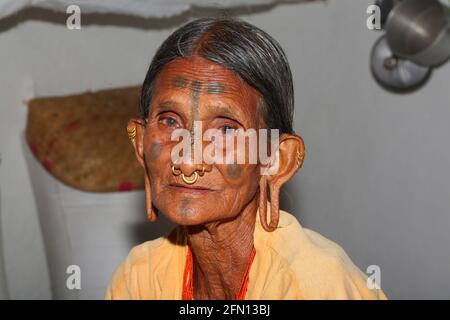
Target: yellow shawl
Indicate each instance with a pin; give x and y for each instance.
(291, 262)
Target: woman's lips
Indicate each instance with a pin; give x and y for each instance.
(195, 190)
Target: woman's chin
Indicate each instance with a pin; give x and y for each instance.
(187, 214)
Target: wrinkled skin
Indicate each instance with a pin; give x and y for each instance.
(176, 104)
(219, 210)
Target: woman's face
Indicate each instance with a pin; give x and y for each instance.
(187, 91)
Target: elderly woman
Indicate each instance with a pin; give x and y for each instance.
(232, 240)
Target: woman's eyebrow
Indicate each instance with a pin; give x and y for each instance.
(217, 111)
(167, 105)
(226, 112)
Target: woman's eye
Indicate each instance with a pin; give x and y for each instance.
(171, 122)
(227, 129)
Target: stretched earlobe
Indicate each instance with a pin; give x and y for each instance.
(151, 213)
(135, 134)
(291, 156)
(274, 205)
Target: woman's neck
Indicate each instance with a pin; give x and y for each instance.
(221, 251)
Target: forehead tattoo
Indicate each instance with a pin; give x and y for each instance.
(179, 82)
(215, 88)
(196, 87)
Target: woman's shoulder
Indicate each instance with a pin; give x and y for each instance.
(156, 250)
(291, 240)
(320, 266)
(132, 278)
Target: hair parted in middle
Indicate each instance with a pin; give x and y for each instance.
(248, 51)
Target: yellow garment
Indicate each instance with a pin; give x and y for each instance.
(291, 262)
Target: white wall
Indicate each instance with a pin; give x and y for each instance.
(376, 177)
(59, 62)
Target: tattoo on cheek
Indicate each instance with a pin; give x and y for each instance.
(234, 171)
(155, 151)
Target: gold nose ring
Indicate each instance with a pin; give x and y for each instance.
(177, 171)
(203, 170)
(192, 180)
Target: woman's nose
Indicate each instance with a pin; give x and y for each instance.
(189, 167)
